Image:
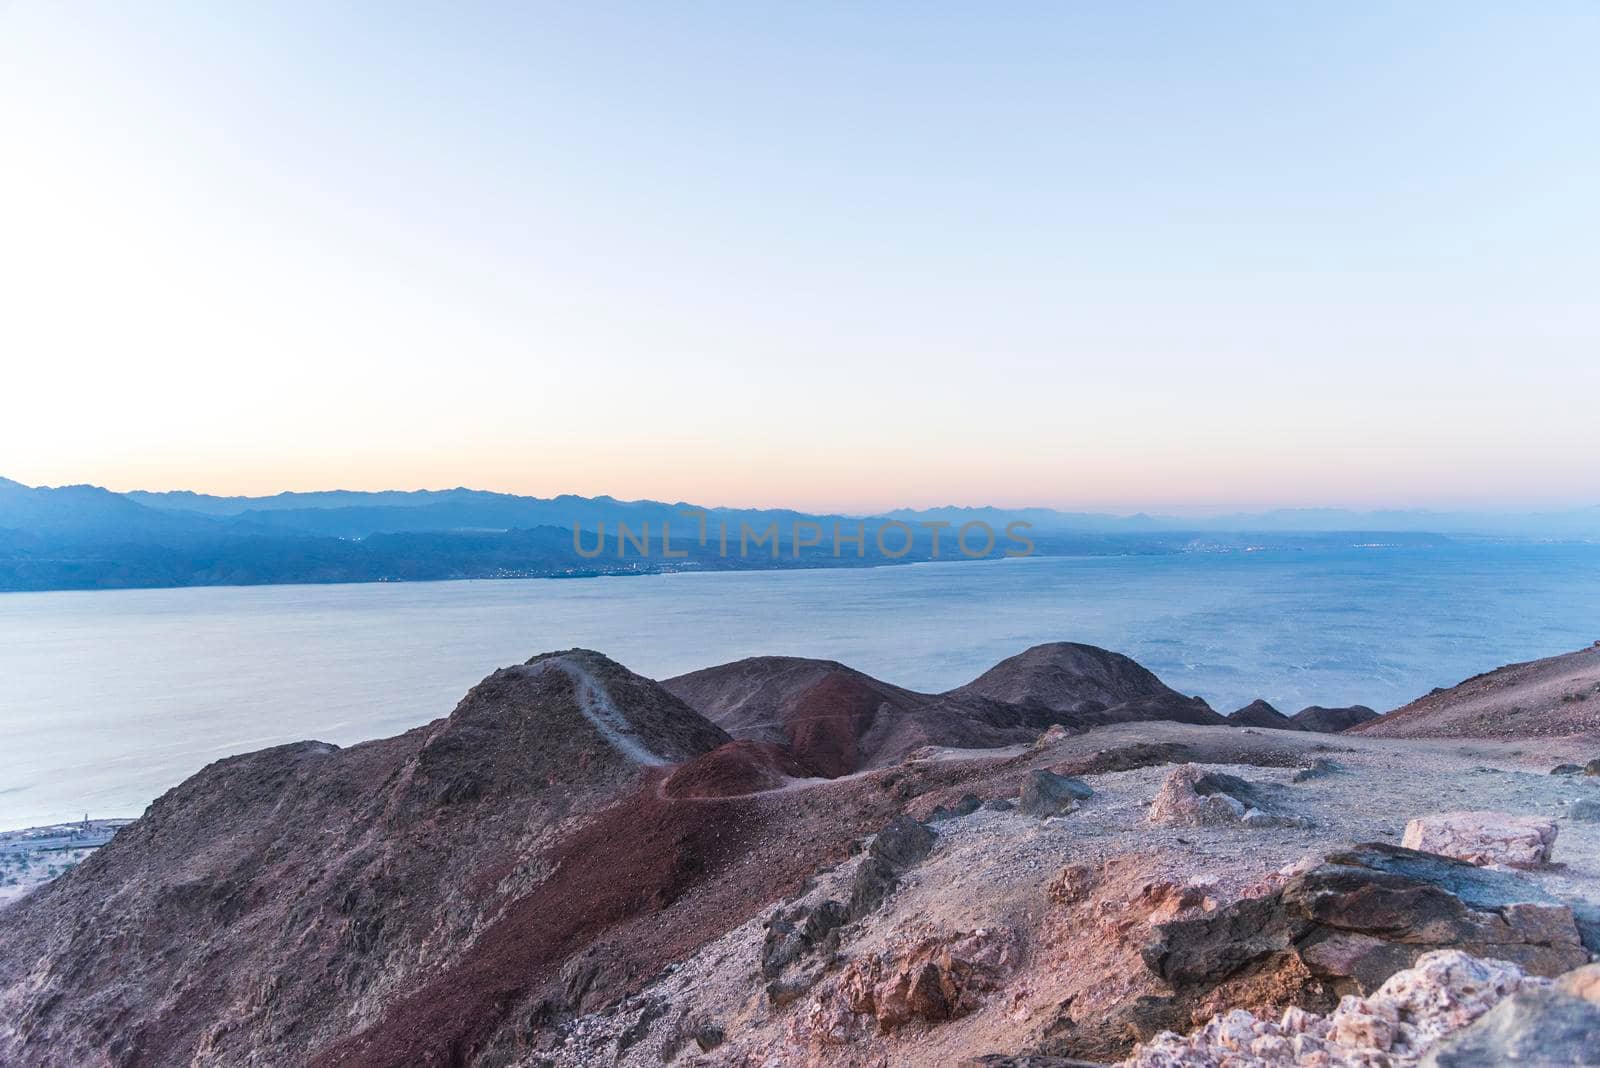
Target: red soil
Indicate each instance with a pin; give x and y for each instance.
(829, 720)
(635, 859)
(743, 767)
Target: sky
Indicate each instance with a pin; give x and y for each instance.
(825, 255)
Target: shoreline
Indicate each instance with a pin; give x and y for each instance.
(33, 856)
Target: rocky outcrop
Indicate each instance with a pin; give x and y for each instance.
(801, 935)
(933, 978)
(1332, 720)
(1484, 838)
(1366, 913)
(1402, 1020)
(1044, 793)
(1191, 796)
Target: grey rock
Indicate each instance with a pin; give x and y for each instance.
(1217, 782)
(654, 1009)
(999, 804)
(1592, 768)
(801, 933)
(968, 804)
(1586, 810)
(1567, 769)
(1044, 793)
(1320, 768)
(781, 992)
(696, 1028)
(1586, 914)
(899, 845)
(903, 842)
(1149, 1015)
(1367, 912)
(1533, 1027)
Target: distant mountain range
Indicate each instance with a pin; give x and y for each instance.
(86, 537)
(1581, 524)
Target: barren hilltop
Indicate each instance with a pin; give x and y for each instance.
(787, 862)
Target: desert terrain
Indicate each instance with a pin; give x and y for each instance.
(783, 862)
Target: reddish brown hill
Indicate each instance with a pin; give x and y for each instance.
(276, 900)
(1555, 697)
(1087, 686)
(837, 720)
(742, 767)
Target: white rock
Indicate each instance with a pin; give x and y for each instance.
(1394, 1026)
(1484, 838)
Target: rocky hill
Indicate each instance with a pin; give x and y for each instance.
(1553, 697)
(1088, 686)
(274, 898)
(1332, 720)
(1259, 713)
(836, 720)
(577, 867)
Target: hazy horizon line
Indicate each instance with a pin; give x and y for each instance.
(1119, 511)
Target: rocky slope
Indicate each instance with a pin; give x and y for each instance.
(576, 867)
(1554, 697)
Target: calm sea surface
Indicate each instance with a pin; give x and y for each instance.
(109, 698)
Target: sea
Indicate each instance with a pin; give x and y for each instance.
(109, 698)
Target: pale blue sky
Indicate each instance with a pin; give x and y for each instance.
(1174, 256)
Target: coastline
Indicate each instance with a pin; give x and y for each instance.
(33, 856)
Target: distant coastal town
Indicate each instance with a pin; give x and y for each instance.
(35, 855)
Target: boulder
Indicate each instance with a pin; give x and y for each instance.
(1567, 769)
(1592, 768)
(1320, 768)
(902, 842)
(1586, 810)
(1191, 796)
(1484, 838)
(1587, 916)
(1044, 793)
(1534, 1026)
(968, 804)
(1365, 913)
